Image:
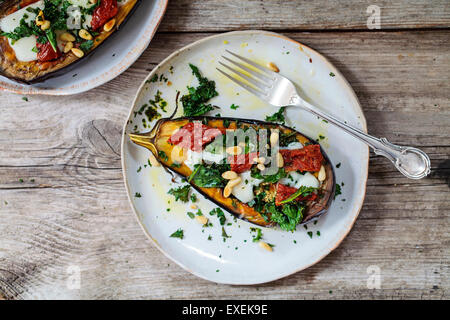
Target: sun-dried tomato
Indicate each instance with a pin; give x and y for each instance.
(309, 158)
(103, 13)
(284, 192)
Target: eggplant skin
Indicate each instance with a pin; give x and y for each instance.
(35, 71)
(156, 141)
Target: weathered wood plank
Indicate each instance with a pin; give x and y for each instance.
(213, 15)
(71, 207)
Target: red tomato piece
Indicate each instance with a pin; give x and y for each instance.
(284, 192)
(194, 136)
(103, 13)
(243, 162)
(46, 52)
(309, 158)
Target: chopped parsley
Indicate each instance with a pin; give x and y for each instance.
(338, 191)
(181, 193)
(178, 234)
(258, 235)
(191, 215)
(220, 215)
(277, 116)
(163, 155)
(234, 107)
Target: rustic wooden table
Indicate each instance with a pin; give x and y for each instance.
(62, 196)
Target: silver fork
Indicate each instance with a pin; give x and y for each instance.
(280, 91)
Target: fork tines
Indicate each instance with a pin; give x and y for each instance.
(257, 82)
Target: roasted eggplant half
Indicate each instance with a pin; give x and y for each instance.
(40, 39)
(265, 173)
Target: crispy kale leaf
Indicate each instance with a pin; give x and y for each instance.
(195, 102)
(287, 216)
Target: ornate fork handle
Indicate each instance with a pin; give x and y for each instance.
(411, 162)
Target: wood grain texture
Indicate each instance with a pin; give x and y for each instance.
(213, 15)
(71, 208)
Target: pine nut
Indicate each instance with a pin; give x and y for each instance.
(153, 161)
(229, 175)
(274, 136)
(201, 219)
(68, 47)
(265, 246)
(109, 25)
(234, 182)
(77, 52)
(261, 167)
(93, 1)
(194, 206)
(272, 66)
(234, 150)
(67, 37)
(227, 191)
(84, 34)
(261, 160)
(45, 25)
(280, 161)
(267, 146)
(40, 18)
(322, 174)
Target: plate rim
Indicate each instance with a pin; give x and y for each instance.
(86, 85)
(124, 176)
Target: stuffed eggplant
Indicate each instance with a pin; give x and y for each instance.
(262, 172)
(42, 38)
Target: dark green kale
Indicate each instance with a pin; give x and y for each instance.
(87, 45)
(258, 202)
(195, 102)
(255, 173)
(181, 193)
(208, 176)
(287, 216)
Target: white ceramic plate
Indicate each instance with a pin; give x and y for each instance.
(239, 260)
(108, 61)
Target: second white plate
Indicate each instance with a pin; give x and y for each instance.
(113, 57)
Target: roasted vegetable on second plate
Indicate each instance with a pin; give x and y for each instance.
(40, 38)
(262, 172)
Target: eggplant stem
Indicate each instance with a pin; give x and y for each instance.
(144, 141)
